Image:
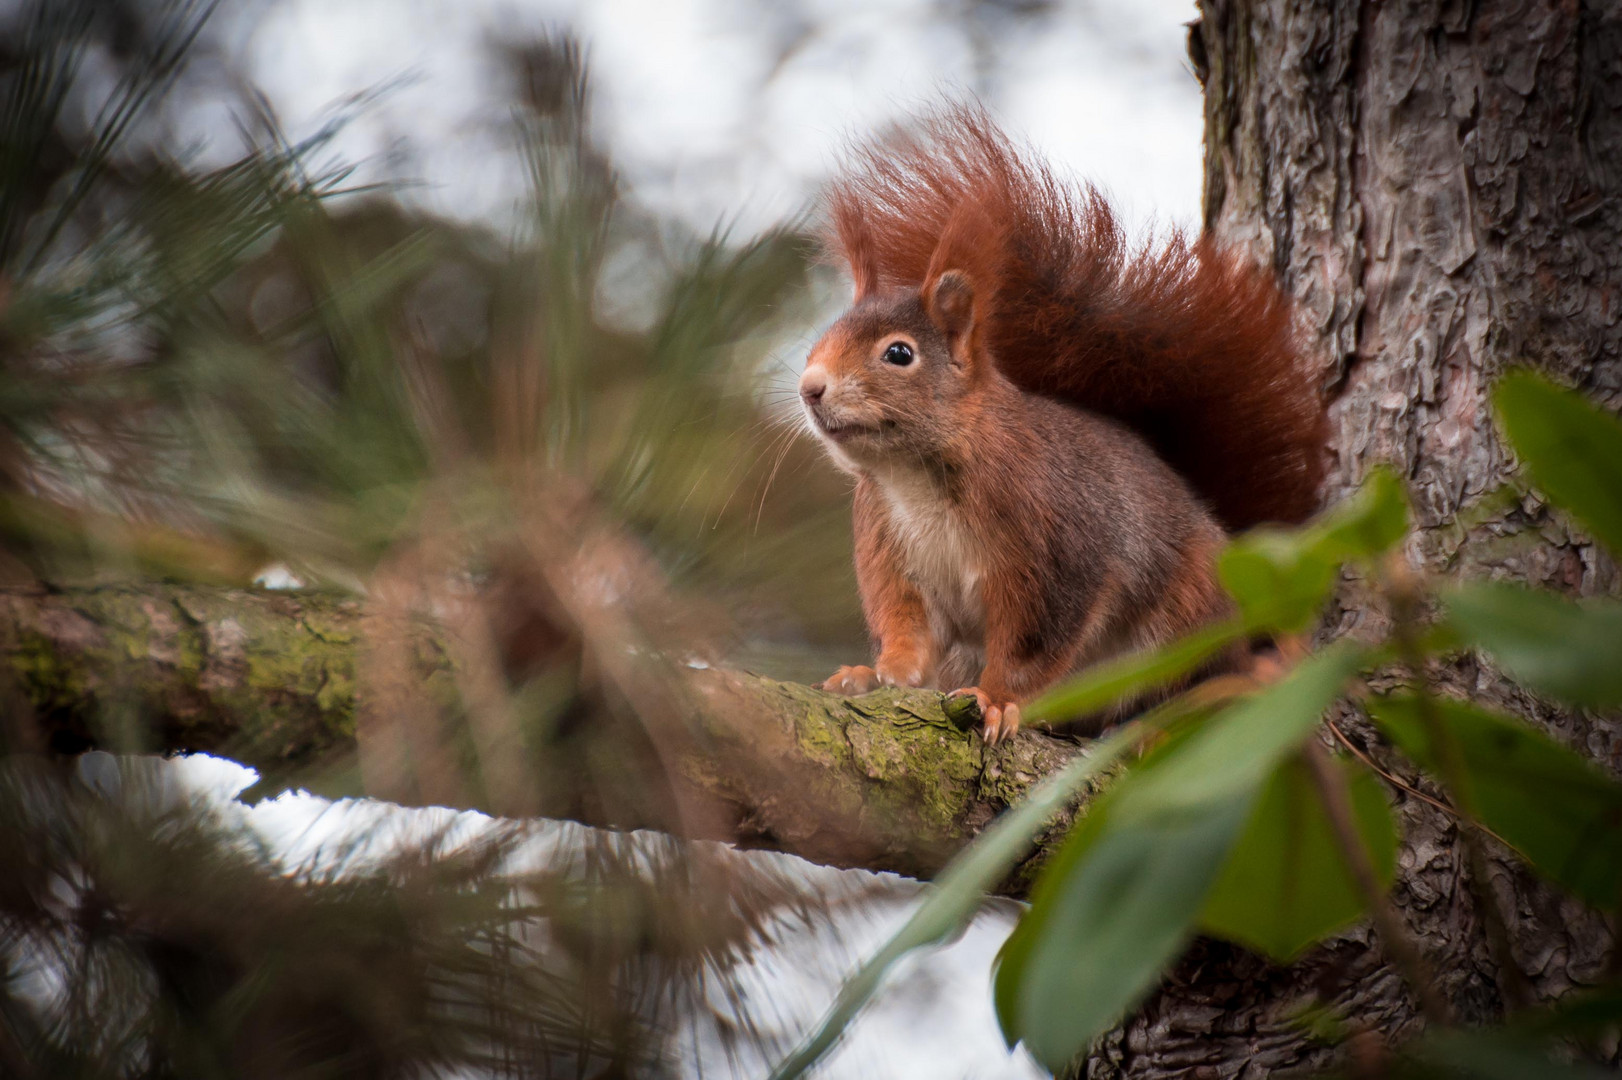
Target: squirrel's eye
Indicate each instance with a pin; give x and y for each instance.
(899, 354)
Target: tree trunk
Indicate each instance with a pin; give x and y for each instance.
(1440, 186)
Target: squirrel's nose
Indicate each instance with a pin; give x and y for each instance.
(812, 385)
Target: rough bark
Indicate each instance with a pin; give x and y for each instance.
(1440, 186)
(889, 781)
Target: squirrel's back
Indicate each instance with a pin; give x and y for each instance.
(1182, 342)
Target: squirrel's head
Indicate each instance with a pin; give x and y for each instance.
(885, 380)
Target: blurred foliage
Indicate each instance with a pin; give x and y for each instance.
(146, 935)
(1236, 823)
(206, 372)
(1557, 809)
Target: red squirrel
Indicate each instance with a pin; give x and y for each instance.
(1052, 430)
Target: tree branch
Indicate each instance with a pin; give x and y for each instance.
(888, 781)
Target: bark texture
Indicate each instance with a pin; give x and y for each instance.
(889, 781)
(1439, 184)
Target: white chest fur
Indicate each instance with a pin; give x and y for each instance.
(941, 555)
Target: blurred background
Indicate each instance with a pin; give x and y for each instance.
(725, 111)
(488, 314)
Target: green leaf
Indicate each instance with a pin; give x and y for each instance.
(1105, 684)
(1281, 578)
(1567, 649)
(1557, 809)
(1236, 750)
(1572, 449)
(1369, 523)
(1285, 885)
(1121, 912)
(1121, 898)
(1118, 907)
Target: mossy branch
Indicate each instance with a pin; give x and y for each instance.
(889, 781)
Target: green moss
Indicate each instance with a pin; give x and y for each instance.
(41, 674)
(189, 653)
(293, 663)
(820, 730)
(895, 751)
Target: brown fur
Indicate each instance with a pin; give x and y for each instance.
(1045, 468)
(1184, 343)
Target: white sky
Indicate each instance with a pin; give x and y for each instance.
(733, 110)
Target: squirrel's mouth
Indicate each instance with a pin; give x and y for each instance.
(837, 428)
(827, 423)
(841, 430)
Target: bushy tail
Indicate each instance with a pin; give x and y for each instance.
(1182, 341)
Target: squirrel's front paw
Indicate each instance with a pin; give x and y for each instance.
(908, 671)
(1000, 719)
(851, 680)
(859, 678)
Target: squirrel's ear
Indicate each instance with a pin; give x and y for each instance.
(950, 302)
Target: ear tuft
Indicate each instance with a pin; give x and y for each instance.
(856, 242)
(864, 270)
(950, 302)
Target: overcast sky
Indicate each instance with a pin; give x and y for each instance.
(733, 110)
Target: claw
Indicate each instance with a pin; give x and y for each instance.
(889, 675)
(855, 679)
(999, 720)
(851, 680)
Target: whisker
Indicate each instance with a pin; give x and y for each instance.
(721, 513)
(699, 479)
(787, 441)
